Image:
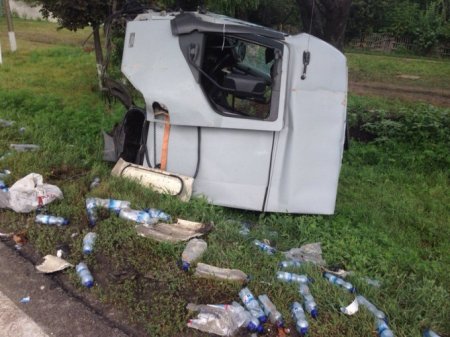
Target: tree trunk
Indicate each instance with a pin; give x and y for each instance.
(98, 56)
(329, 19)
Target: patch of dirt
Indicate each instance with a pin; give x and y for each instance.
(438, 97)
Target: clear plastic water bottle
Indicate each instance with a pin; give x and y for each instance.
(290, 263)
(301, 324)
(3, 186)
(271, 311)
(264, 247)
(137, 216)
(371, 307)
(383, 329)
(340, 282)
(51, 220)
(430, 333)
(158, 214)
(310, 303)
(24, 147)
(249, 322)
(85, 275)
(91, 211)
(193, 251)
(252, 305)
(213, 272)
(291, 277)
(88, 242)
(95, 183)
(112, 204)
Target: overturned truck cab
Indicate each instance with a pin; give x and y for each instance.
(256, 116)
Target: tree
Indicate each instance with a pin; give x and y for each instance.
(326, 19)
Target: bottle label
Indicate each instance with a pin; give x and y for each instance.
(247, 298)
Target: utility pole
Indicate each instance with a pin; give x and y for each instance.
(11, 34)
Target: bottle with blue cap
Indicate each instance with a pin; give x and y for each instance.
(291, 277)
(264, 247)
(340, 282)
(88, 242)
(193, 251)
(51, 220)
(298, 314)
(371, 307)
(310, 303)
(3, 186)
(271, 311)
(383, 329)
(251, 323)
(137, 216)
(252, 305)
(91, 211)
(84, 274)
(430, 333)
(158, 214)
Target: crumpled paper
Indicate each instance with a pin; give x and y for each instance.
(29, 193)
(311, 252)
(53, 264)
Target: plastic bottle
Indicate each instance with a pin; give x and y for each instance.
(24, 147)
(290, 263)
(112, 204)
(265, 247)
(193, 251)
(51, 220)
(271, 311)
(301, 324)
(91, 211)
(85, 275)
(249, 322)
(291, 277)
(157, 214)
(371, 307)
(430, 333)
(137, 216)
(3, 186)
(252, 305)
(310, 303)
(212, 272)
(340, 282)
(95, 183)
(88, 242)
(383, 329)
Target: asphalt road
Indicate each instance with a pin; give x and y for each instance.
(51, 312)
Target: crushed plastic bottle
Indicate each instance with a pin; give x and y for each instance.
(91, 211)
(24, 147)
(157, 214)
(193, 251)
(383, 329)
(213, 272)
(84, 274)
(290, 263)
(430, 333)
(89, 242)
(95, 183)
(271, 311)
(310, 303)
(252, 305)
(298, 314)
(264, 247)
(340, 282)
(111, 204)
(251, 323)
(291, 277)
(51, 220)
(378, 314)
(137, 216)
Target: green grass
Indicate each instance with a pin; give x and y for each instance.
(391, 221)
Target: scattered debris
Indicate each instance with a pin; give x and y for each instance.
(85, 275)
(95, 183)
(24, 147)
(183, 230)
(141, 217)
(311, 252)
(310, 303)
(4, 174)
(193, 251)
(5, 123)
(264, 247)
(373, 282)
(270, 310)
(20, 238)
(290, 263)
(111, 204)
(291, 277)
(351, 309)
(89, 242)
(212, 272)
(25, 299)
(298, 314)
(383, 329)
(22, 130)
(53, 264)
(159, 180)
(378, 314)
(29, 193)
(339, 281)
(339, 272)
(46, 219)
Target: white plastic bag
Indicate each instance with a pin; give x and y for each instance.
(29, 193)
